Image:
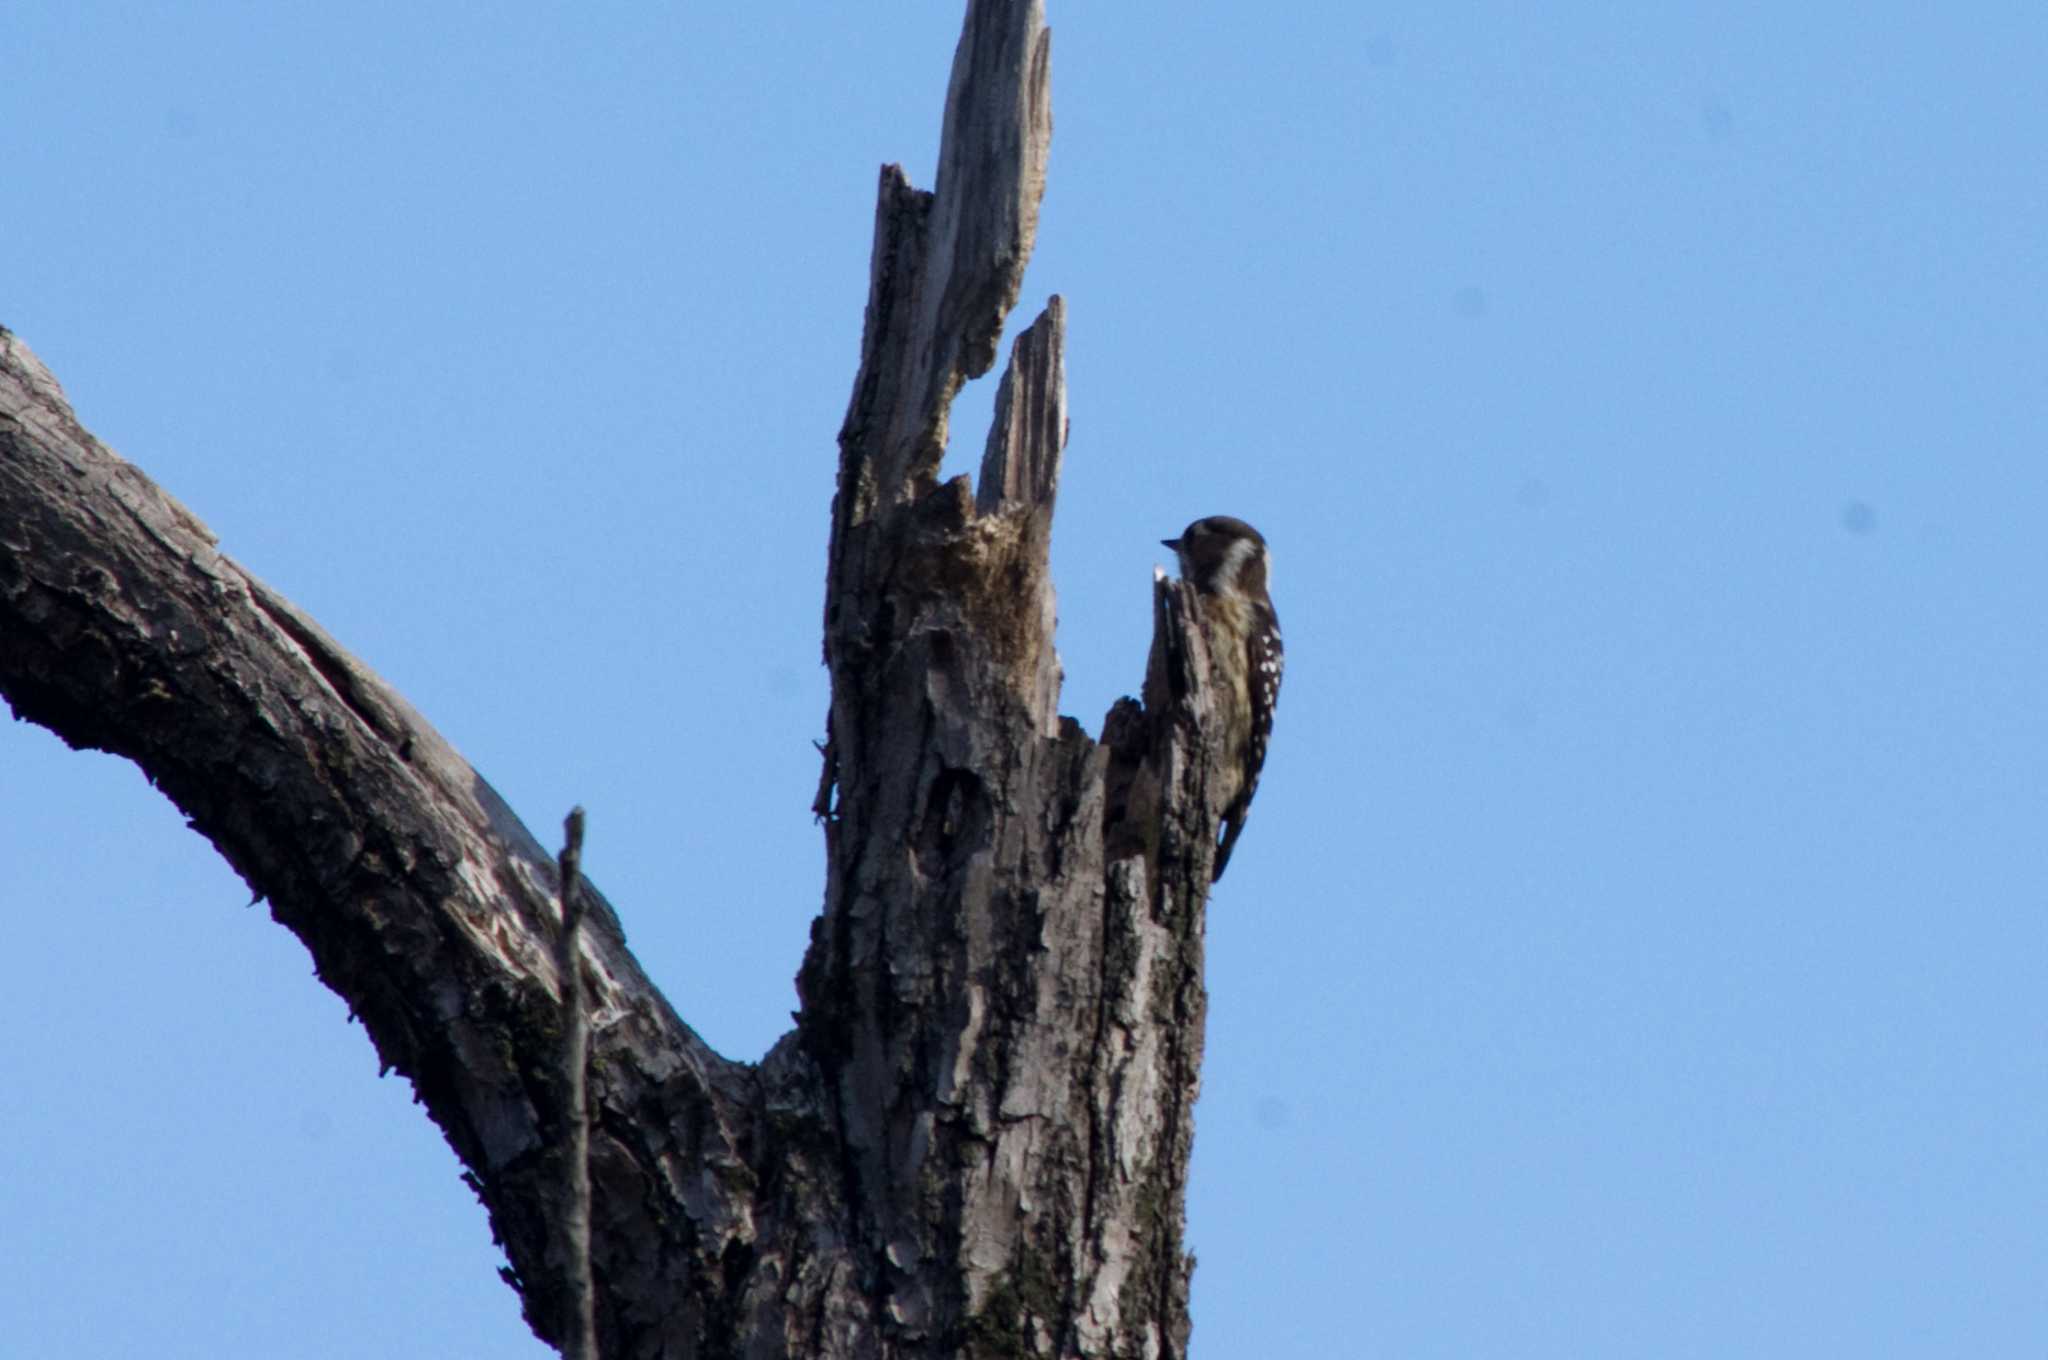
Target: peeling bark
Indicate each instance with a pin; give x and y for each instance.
(975, 1141)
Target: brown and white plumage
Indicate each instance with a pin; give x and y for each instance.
(1225, 560)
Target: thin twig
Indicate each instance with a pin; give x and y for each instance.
(580, 1339)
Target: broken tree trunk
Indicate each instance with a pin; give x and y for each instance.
(975, 1141)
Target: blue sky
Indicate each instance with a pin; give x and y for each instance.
(1637, 947)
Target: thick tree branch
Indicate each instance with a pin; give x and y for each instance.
(424, 903)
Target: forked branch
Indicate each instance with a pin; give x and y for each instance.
(976, 1139)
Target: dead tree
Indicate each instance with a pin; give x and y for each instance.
(975, 1141)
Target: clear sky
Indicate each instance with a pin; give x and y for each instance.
(1637, 948)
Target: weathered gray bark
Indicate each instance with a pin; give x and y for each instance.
(975, 1141)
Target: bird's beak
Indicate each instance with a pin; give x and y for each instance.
(1172, 543)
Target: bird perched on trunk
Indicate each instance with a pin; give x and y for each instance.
(1224, 559)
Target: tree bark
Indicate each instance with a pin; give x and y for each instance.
(975, 1141)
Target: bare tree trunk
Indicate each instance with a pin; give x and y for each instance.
(975, 1141)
